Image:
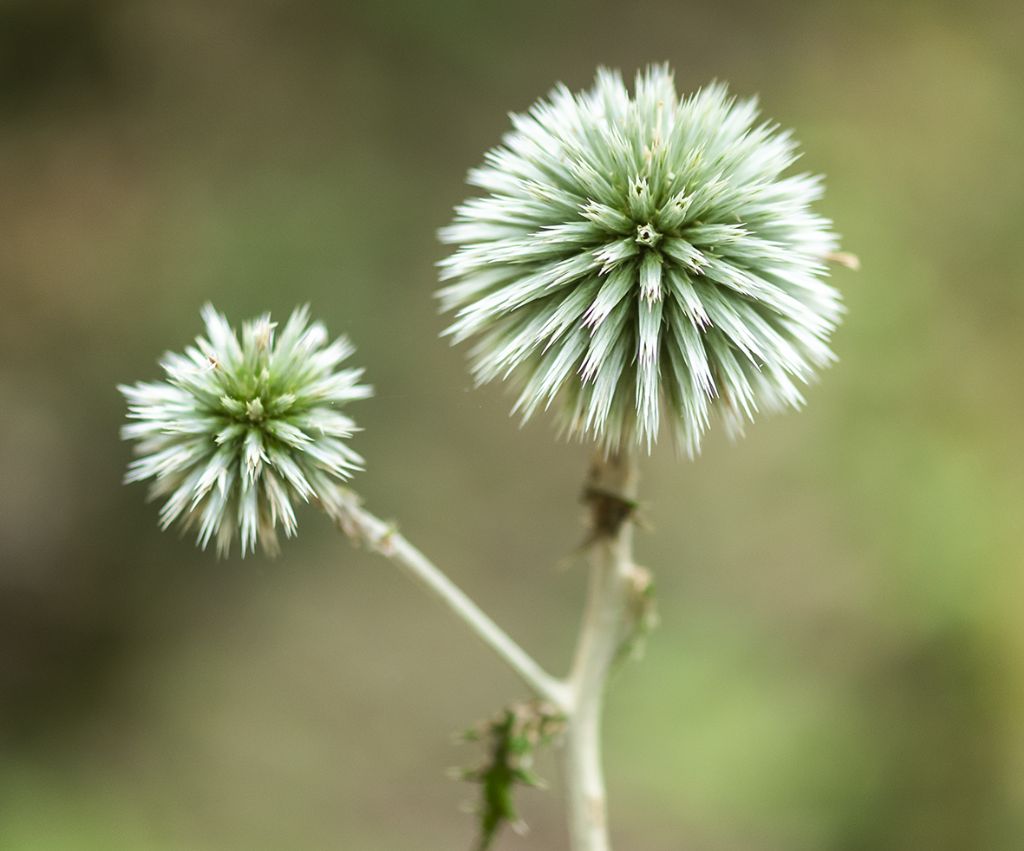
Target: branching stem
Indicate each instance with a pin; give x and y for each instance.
(610, 493)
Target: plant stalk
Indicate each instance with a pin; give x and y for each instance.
(611, 492)
(362, 526)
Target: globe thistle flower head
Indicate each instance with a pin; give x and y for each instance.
(640, 257)
(245, 426)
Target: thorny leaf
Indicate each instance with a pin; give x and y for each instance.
(511, 739)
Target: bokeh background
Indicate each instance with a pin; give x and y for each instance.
(840, 662)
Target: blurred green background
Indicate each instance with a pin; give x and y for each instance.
(841, 660)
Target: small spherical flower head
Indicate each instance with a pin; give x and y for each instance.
(245, 426)
(640, 257)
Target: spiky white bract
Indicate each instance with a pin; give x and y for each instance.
(245, 426)
(640, 257)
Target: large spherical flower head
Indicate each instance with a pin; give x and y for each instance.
(245, 426)
(639, 257)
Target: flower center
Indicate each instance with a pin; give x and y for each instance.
(647, 235)
(254, 410)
